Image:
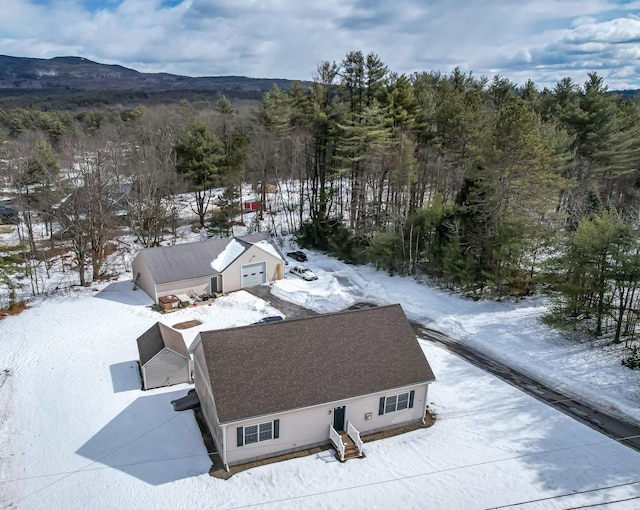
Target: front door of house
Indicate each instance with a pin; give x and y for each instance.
(214, 284)
(339, 414)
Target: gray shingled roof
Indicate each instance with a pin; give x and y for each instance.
(268, 368)
(190, 260)
(156, 338)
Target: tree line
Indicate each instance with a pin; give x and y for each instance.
(485, 186)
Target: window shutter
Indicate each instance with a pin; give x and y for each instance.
(240, 435)
(276, 429)
(411, 395)
(381, 407)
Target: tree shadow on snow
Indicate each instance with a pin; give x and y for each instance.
(122, 292)
(578, 458)
(125, 376)
(150, 441)
(515, 432)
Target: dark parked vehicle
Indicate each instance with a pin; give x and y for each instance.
(9, 213)
(272, 318)
(298, 255)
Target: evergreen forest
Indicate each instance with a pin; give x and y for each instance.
(484, 186)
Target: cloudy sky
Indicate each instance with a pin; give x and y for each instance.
(544, 40)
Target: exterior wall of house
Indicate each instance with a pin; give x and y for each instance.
(205, 395)
(308, 427)
(198, 286)
(232, 275)
(145, 282)
(165, 369)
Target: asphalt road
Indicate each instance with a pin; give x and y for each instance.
(622, 431)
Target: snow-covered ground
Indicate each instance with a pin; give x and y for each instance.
(509, 332)
(77, 432)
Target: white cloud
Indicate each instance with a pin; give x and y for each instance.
(543, 40)
(619, 30)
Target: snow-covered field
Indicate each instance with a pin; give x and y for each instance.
(77, 432)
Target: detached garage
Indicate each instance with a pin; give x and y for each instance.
(164, 358)
(206, 268)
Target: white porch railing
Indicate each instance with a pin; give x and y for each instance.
(355, 436)
(337, 442)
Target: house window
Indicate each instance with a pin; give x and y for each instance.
(261, 432)
(403, 401)
(266, 431)
(251, 434)
(395, 403)
(390, 405)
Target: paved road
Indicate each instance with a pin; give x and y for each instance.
(609, 425)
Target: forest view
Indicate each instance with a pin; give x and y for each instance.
(484, 186)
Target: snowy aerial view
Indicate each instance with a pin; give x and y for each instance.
(319, 255)
(77, 431)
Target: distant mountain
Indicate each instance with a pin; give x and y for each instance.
(47, 79)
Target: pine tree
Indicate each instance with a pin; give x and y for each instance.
(199, 156)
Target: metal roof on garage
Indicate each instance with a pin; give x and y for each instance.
(190, 260)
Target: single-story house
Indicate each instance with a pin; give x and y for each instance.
(271, 389)
(207, 267)
(164, 357)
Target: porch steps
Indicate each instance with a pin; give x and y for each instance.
(351, 449)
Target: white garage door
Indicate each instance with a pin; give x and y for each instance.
(254, 274)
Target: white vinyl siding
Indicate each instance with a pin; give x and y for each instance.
(142, 277)
(165, 369)
(203, 389)
(308, 427)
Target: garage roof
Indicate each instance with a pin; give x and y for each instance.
(190, 260)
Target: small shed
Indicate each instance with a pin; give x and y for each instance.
(251, 204)
(164, 358)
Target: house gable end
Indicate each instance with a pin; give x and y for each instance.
(167, 352)
(157, 338)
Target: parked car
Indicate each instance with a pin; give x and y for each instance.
(271, 318)
(303, 272)
(298, 255)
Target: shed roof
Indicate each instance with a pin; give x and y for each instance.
(268, 368)
(190, 260)
(156, 338)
